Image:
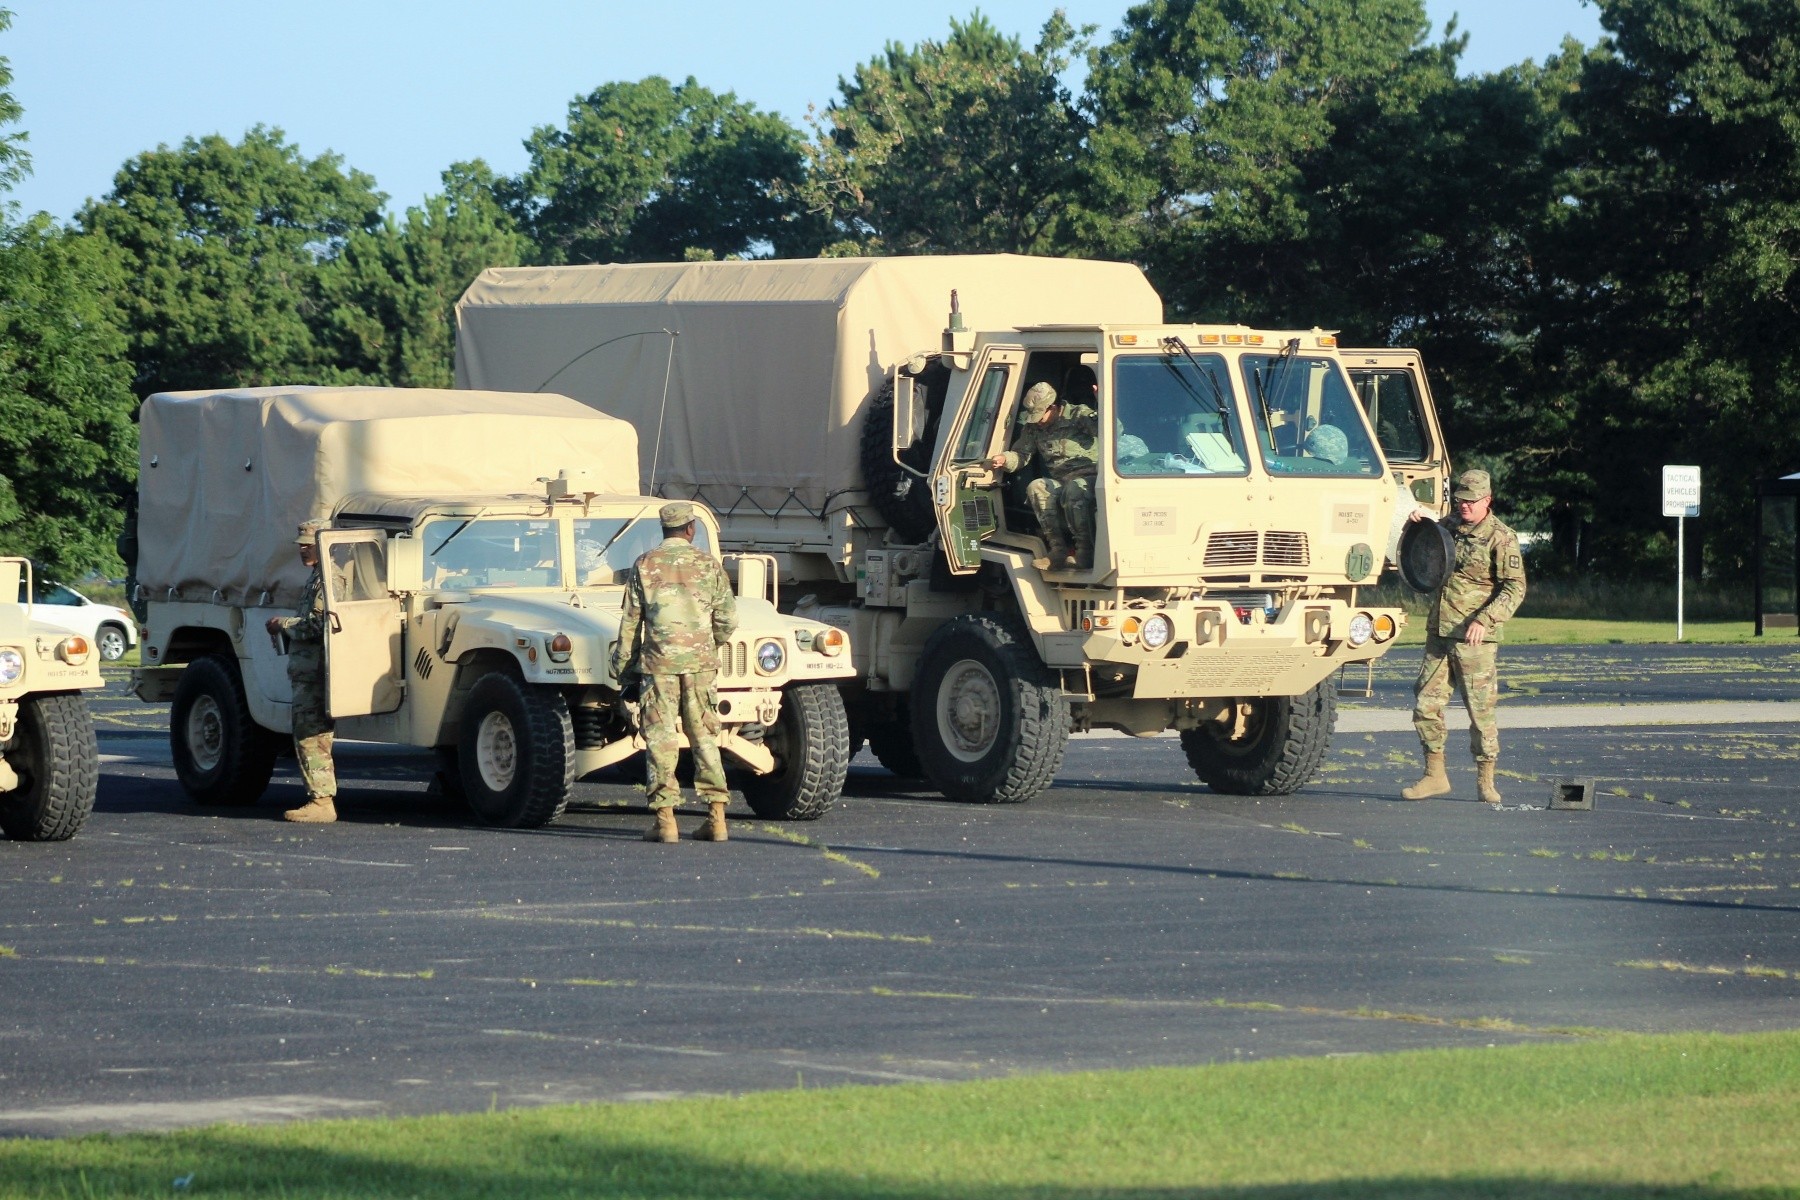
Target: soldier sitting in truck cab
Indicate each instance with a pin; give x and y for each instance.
(1067, 437)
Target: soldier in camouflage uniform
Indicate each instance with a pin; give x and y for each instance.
(306, 673)
(1067, 436)
(1484, 588)
(678, 612)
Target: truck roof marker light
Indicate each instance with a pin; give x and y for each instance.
(1209, 339)
(1327, 340)
(1125, 339)
(1234, 339)
(1254, 339)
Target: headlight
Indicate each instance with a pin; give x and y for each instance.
(1362, 628)
(12, 666)
(1157, 631)
(769, 657)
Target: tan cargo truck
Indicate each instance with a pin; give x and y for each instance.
(49, 763)
(839, 422)
(476, 559)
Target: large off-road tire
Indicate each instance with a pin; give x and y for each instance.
(891, 742)
(811, 745)
(112, 642)
(516, 755)
(53, 753)
(222, 756)
(900, 496)
(988, 717)
(1284, 740)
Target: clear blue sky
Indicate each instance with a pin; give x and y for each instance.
(403, 88)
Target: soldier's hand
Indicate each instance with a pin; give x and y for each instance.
(1417, 514)
(998, 462)
(1477, 633)
(273, 625)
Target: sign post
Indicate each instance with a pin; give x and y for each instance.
(1681, 500)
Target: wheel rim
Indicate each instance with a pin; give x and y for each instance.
(497, 751)
(1255, 721)
(112, 645)
(206, 734)
(968, 711)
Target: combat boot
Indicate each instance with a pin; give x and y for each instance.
(714, 828)
(663, 828)
(1484, 782)
(318, 810)
(1084, 553)
(1433, 783)
(1054, 559)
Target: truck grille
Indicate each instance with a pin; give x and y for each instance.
(1238, 548)
(1074, 611)
(734, 659)
(1285, 549)
(1233, 549)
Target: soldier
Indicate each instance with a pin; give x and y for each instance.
(1485, 587)
(1063, 499)
(306, 674)
(678, 611)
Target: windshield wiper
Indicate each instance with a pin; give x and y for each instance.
(1289, 355)
(454, 532)
(1220, 403)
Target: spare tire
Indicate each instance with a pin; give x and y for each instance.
(897, 494)
(1427, 555)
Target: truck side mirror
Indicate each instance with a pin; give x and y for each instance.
(406, 564)
(908, 420)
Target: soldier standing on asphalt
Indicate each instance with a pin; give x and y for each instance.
(678, 612)
(1485, 586)
(1068, 438)
(306, 673)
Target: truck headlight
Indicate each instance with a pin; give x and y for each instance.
(1362, 628)
(1157, 631)
(12, 666)
(770, 657)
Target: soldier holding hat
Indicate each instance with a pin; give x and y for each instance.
(306, 673)
(1485, 587)
(1067, 436)
(678, 611)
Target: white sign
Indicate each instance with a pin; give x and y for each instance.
(1681, 492)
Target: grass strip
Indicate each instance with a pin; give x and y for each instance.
(1699, 1116)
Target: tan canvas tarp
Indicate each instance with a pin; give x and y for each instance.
(224, 477)
(767, 364)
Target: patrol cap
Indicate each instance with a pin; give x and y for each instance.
(1473, 485)
(308, 533)
(676, 514)
(1328, 442)
(1038, 398)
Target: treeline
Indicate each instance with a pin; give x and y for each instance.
(1596, 254)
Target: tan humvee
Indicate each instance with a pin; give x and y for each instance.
(49, 764)
(1243, 501)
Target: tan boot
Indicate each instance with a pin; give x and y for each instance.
(714, 828)
(1433, 783)
(1484, 782)
(318, 810)
(663, 829)
(1056, 558)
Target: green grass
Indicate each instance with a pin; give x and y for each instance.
(1577, 612)
(1699, 1117)
(1572, 631)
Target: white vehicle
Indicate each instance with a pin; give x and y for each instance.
(111, 631)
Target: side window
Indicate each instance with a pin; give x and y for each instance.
(979, 432)
(358, 571)
(1393, 407)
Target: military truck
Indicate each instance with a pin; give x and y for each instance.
(840, 414)
(49, 763)
(476, 558)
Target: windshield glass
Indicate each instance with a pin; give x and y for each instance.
(491, 552)
(1307, 422)
(606, 547)
(1174, 415)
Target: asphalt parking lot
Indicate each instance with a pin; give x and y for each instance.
(174, 965)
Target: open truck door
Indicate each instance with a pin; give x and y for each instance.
(965, 489)
(1392, 388)
(362, 624)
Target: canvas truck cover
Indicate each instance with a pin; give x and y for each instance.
(767, 363)
(225, 477)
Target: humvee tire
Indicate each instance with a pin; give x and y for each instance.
(1284, 741)
(891, 742)
(988, 718)
(222, 756)
(811, 744)
(53, 752)
(516, 753)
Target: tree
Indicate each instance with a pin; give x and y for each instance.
(969, 145)
(15, 160)
(651, 171)
(222, 246)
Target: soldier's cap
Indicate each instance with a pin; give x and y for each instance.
(308, 534)
(1473, 485)
(676, 514)
(1328, 442)
(1038, 398)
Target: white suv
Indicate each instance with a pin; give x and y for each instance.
(110, 630)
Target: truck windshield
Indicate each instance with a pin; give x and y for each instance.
(606, 547)
(491, 552)
(1174, 415)
(1307, 422)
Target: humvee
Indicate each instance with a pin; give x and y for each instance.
(49, 763)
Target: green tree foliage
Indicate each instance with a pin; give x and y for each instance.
(68, 448)
(389, 297)
(15, 160)
(222, 247)
(968, 145)
(654, 171)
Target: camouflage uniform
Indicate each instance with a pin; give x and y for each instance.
(1487, 585)
(1063, 498)
(306, 673)
(678, 611)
